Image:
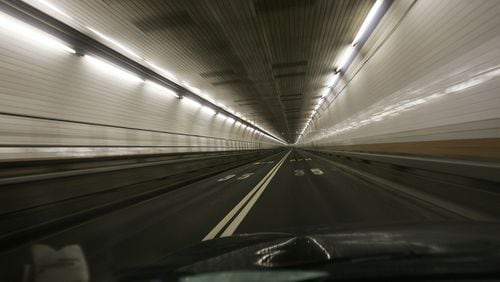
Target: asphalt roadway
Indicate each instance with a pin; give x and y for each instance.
(292, 191)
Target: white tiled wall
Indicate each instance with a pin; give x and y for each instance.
(430, 71)
(61, 104)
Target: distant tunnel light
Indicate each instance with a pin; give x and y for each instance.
(161, 88)
(40, 38)
(114, 42)
(110, 68)
(368, 21)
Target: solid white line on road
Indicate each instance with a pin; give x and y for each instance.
(316, 171)
(298, 172)
(245, 176)
(237, 208)
(227, 177)
(243, 213)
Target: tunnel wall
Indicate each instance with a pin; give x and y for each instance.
(56, 104)
(428, 79)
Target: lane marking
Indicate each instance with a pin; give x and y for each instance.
(227, 177)
(298, 172)
(250, 194)
(292, 160)
(308, 159)
(316, 171)
(245, 176)
(243, 213)
(268, 162)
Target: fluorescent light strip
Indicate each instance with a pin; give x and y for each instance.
(193, 89)
(346, 57)
(163, 72)
(110, 68)
(208, 110)
(191, 101)
(40, 38)
(114, 42)
(161, 88)
(368, 21)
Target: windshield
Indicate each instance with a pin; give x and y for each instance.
(253, 140)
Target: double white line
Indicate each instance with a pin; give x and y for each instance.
(244, 206)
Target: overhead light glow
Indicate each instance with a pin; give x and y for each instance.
(193, 89)
(191, 102)
(162, 71)
(39, 38)
(208, 110)
(221, 116)
(161, 88)
(333, 81)
(115, 43)
(53, 8)
(109, 68)
(346, 57)
(368, 22)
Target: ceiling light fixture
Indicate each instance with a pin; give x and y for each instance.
(208, 110)
(162, 71)
(110, 68)
(161, 88)
(114, 42)
(368, 22)
(191, 102)
(38, 37)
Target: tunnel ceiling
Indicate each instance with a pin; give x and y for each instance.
(267, 59)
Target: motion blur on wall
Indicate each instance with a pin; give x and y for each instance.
(427, 90)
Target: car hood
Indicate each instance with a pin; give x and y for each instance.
(269, 251)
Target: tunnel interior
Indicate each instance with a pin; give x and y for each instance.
(131, 130)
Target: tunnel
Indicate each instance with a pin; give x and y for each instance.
(249, 140)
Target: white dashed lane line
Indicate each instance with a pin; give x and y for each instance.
(298, 172)
(316, 171)
(245, 176)
(227, 177)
